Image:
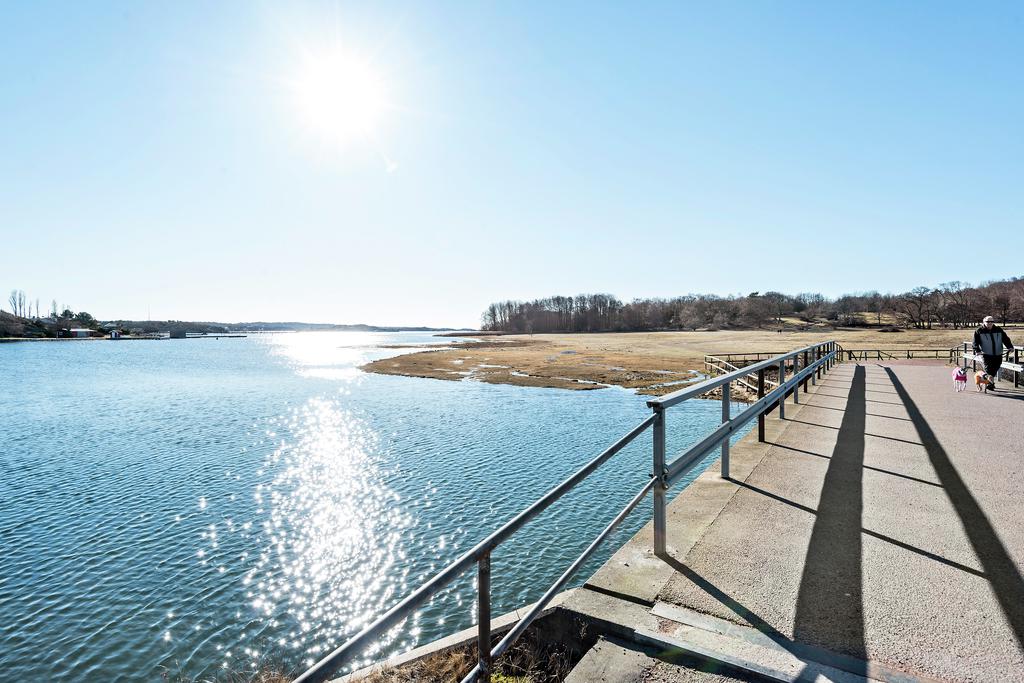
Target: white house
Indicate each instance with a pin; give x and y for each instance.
(80, 331)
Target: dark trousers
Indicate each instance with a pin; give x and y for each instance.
(992, 364)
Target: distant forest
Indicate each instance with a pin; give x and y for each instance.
(951, 304)
(29, 319)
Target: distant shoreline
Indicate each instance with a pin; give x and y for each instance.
(651, 363)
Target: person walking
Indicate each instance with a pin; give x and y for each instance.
(989, 340)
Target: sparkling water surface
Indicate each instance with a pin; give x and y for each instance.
(191, 508)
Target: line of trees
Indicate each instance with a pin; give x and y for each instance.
(952, 304)
(28, 321)
(23, 308)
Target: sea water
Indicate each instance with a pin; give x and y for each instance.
(188, 508)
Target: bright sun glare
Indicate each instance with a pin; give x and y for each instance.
(340, 97)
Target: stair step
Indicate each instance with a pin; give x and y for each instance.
(613, 660)
(773, 658)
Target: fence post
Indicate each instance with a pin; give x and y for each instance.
(483, 635)
(726, 416)
(782, 399)
(806, 379)
(659, 487)
(760, 395)
(796, 371)
(1016, 359)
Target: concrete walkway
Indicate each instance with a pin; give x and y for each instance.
(877, 534)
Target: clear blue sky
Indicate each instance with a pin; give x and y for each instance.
(168, 157)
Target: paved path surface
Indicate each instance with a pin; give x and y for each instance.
(879, 530)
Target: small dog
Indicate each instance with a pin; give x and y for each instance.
(983, 381)
(959, 379)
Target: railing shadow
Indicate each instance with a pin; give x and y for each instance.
(829, 604)
(1000, 569)
(874, 534)
(815, 659)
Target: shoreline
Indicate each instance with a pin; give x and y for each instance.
(538, 362)
(650, 363)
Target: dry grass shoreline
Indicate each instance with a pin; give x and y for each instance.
(652, 363)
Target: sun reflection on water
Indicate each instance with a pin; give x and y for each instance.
(340, 352)
(330, 532)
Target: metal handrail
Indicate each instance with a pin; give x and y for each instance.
(700, 450)
(525, 622)
(816, 359)
(717, 364)
(479, 554)
(704, 387)
(894, 353)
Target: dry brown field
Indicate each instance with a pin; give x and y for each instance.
(653, 363)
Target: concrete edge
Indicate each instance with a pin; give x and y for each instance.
(499, 626)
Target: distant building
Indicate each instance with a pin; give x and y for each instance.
(115, 334)
(177, 334)
(80, 332)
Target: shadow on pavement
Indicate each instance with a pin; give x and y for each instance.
(829, 605)
(873, 534)
(813, 658)
(1002, 573)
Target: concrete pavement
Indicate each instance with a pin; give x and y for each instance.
(878, 532)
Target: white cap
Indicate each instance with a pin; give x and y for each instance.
(988, 319)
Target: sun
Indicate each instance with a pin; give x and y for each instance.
(340, 97)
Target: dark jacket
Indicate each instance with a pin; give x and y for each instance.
(991, 342)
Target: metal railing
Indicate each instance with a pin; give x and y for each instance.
(816, 359)
(480, 555)
(715, 366)
(1011, 359)
(894, 354)
(808, 365)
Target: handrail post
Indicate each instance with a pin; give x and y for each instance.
(726, 416)
(1016, 375)
(796, 371)
(659, 487)
(806, 379)
(782, 399)
(760, 395)
(483, 636)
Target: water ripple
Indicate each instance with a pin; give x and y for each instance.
(193, 507)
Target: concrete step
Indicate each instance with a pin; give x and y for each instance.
(666, 642)
(617, 661)
(767, 656)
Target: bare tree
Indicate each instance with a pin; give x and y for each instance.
(915, 306)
